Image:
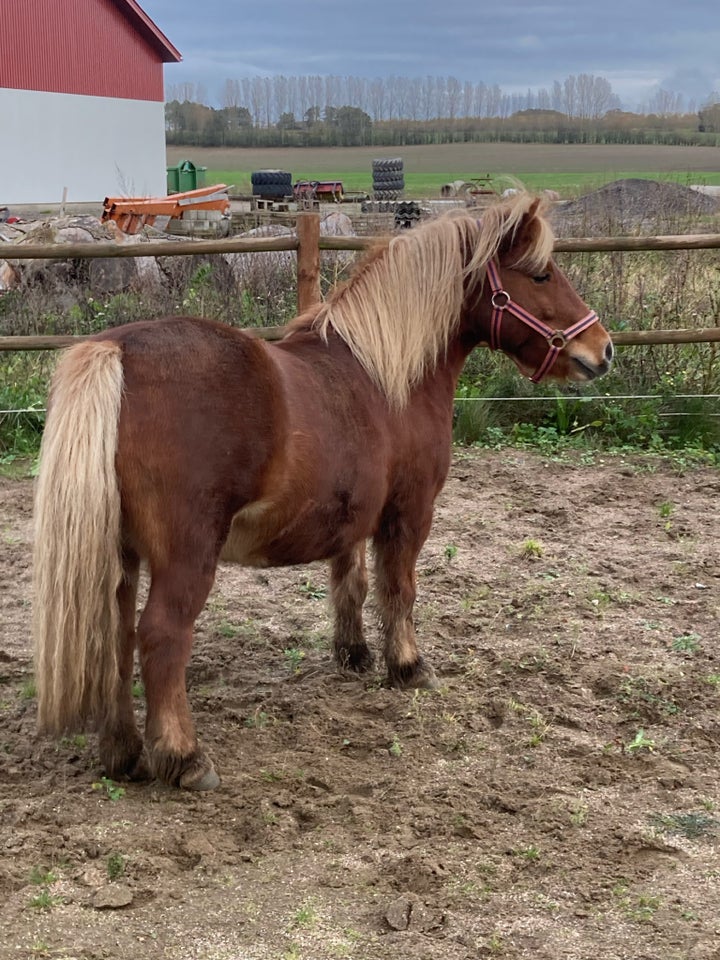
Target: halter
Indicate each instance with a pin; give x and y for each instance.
(557, 339)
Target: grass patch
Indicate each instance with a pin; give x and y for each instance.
(691, 825)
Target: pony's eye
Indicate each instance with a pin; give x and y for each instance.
(542, 279)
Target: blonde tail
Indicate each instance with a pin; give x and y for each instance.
(77, 554)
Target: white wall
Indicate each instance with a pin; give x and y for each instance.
(95, 146)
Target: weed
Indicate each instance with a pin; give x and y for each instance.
(304, 916)
(450, 551)
(259, 719)
(640, 742)
(579, 815)
(690, 825)
(540, 728)
(643, 909)
(294, 657)
(42, 876)
(539, 725)
(45, 900)
(638, 693)
(666, 509)
(41, 949)
(272, 776)
(686, 643)
(111, 789)
(531, 853)
(138, 690)
(532, 550)
(28, 691)
(115, 866)
(77, 742)
(312, 591)
(395, 749)
(495, 943)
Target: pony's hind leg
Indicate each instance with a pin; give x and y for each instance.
(349, 586)
(165, 634)
(396, 552)
(121, 746)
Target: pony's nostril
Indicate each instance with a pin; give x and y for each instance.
(609, 351)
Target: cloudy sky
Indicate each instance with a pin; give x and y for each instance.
(637, 45)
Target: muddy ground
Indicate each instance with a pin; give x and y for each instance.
(558, 798)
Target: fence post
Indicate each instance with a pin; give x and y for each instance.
(308, 260)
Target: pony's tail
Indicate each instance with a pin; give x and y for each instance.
(77, 553)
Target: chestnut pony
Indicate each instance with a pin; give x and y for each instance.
(182, 442)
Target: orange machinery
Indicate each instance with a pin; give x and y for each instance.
(133, 213)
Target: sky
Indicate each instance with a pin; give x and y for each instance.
(637, 45)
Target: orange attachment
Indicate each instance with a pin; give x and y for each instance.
(133, 213)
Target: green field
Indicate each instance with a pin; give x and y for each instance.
(570, 169)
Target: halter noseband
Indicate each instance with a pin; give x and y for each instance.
(557, 339)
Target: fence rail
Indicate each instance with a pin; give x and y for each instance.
(308, 244)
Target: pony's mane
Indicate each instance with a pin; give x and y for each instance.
(401, 307)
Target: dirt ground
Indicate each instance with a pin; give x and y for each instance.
(558, 798)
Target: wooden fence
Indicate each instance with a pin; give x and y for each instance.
(308, 243)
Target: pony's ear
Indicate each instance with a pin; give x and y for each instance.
(524, 234)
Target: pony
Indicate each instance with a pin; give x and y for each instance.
(181, 442)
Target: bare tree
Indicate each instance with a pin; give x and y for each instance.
(665, 102)
(377, 99)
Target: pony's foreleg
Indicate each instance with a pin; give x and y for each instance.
(165, 634)
(349, 586)
(396, 552)
(121, 746)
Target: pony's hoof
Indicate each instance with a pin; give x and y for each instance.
(354, 659)
(199, 777)
(124, 758)
(141, 770)
(416, 676)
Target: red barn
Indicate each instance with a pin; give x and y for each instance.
(81, 101)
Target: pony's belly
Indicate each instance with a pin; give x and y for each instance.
(264, 535)
(250, 530)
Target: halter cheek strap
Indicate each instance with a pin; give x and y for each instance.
(557, 339)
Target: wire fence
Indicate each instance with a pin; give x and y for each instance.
(308, 243)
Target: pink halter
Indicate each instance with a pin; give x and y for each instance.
(557, 339)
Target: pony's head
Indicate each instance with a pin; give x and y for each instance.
(422, 296)
(526, 306)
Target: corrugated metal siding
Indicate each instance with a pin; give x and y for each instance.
(77, 46)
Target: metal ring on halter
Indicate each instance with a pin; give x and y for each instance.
(500, 293)
(557, 339)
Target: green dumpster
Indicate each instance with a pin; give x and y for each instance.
(185, 176)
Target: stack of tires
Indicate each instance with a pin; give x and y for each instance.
(388, 179)
(271, 184)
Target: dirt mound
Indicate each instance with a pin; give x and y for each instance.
(635, 203)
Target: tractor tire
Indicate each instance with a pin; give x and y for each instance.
(389, 183)
(387, 165)
(262, 178)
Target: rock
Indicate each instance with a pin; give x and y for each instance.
(408, 912)
(398, 913)
(114, 896)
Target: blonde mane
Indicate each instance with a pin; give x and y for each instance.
(400, 309)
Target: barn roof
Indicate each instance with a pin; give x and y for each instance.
(148, 30)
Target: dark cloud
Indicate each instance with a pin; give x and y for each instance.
(638, 45)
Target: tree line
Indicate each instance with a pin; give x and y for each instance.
(354, 111)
